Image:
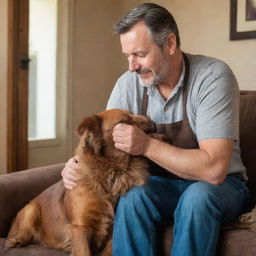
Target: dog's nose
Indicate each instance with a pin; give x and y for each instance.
(75, 160)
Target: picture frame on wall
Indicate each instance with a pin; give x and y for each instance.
(242, 19)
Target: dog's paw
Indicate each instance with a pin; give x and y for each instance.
(12, 242)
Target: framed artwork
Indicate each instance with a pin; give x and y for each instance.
(242, 19)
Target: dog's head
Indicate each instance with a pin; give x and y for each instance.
(96, 131)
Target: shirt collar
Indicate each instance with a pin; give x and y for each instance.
(151, 90)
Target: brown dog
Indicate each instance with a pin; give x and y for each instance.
(81, 220)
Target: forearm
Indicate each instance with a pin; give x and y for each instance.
(192, 164)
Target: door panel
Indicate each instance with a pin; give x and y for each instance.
(17, 143)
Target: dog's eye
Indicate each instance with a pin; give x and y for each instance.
(126, 122)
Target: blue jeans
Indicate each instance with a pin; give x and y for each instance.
(198, 209)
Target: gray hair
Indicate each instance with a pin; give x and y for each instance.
(158, 19)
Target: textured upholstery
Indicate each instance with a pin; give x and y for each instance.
(30, 250)
(16, 189)
(248, 138)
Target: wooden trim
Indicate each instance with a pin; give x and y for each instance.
(22, 157)
(234, 34)
(17, 143)
(11, 89)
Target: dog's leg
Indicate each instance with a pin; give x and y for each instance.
(81, 238)
(108, 249)
(24, 227)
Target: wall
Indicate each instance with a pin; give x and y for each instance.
(3, 82)
(96, 56)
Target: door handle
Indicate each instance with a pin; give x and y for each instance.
(24, 61)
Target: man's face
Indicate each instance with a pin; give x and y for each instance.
(144, 56)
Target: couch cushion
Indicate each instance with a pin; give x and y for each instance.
(238, 242)
(231, 243)
(30, 250)
(248, 138)
(18, 188)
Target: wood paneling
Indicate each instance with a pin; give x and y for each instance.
(17, 144)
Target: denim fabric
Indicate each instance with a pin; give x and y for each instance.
(198, 209)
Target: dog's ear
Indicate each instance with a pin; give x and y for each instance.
(144, 123)
(91, 127)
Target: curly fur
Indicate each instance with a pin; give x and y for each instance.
(81, 220)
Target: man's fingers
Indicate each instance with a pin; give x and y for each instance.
(72, 163)
(72, 176)
(69, 177)
(119, 139)
(121, 127)
(69, 184)
(122, 133)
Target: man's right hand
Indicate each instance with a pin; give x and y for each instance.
(70, 173)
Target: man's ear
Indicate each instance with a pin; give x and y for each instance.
(90, 127)
(171, 43)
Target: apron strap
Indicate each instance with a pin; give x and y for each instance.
(185, 86)
(144, 106)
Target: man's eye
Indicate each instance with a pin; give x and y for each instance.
(141, 55)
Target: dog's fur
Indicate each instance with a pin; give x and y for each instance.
(80, 220)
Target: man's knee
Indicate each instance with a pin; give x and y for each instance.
(132, 198)
(138, 201)
(198, 197)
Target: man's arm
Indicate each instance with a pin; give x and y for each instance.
(208, 163)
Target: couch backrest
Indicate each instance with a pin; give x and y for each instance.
(248, 138)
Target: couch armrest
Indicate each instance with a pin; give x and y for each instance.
(18, 188)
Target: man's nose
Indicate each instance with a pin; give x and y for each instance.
(133, 64)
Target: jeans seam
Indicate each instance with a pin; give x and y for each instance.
(208, 248)
(151, 239)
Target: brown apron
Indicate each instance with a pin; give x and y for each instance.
(180, 133)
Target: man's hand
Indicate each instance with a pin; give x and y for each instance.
(70, 173)
(130, 139)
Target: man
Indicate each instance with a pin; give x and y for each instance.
(199, 179)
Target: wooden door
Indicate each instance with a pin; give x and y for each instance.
(17, 142)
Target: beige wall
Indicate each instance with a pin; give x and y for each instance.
(96, 59)
(3, 82)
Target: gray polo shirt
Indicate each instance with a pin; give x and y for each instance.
(212, 106)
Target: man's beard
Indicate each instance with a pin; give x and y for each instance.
(157, 76)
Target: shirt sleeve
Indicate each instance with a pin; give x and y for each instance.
(218, 109)
(116, 99)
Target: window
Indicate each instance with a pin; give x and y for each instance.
(42, 69)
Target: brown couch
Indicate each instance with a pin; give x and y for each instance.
(16, 189)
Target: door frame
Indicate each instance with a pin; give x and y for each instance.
(17, 144)
(39, 150)
(17, 86)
